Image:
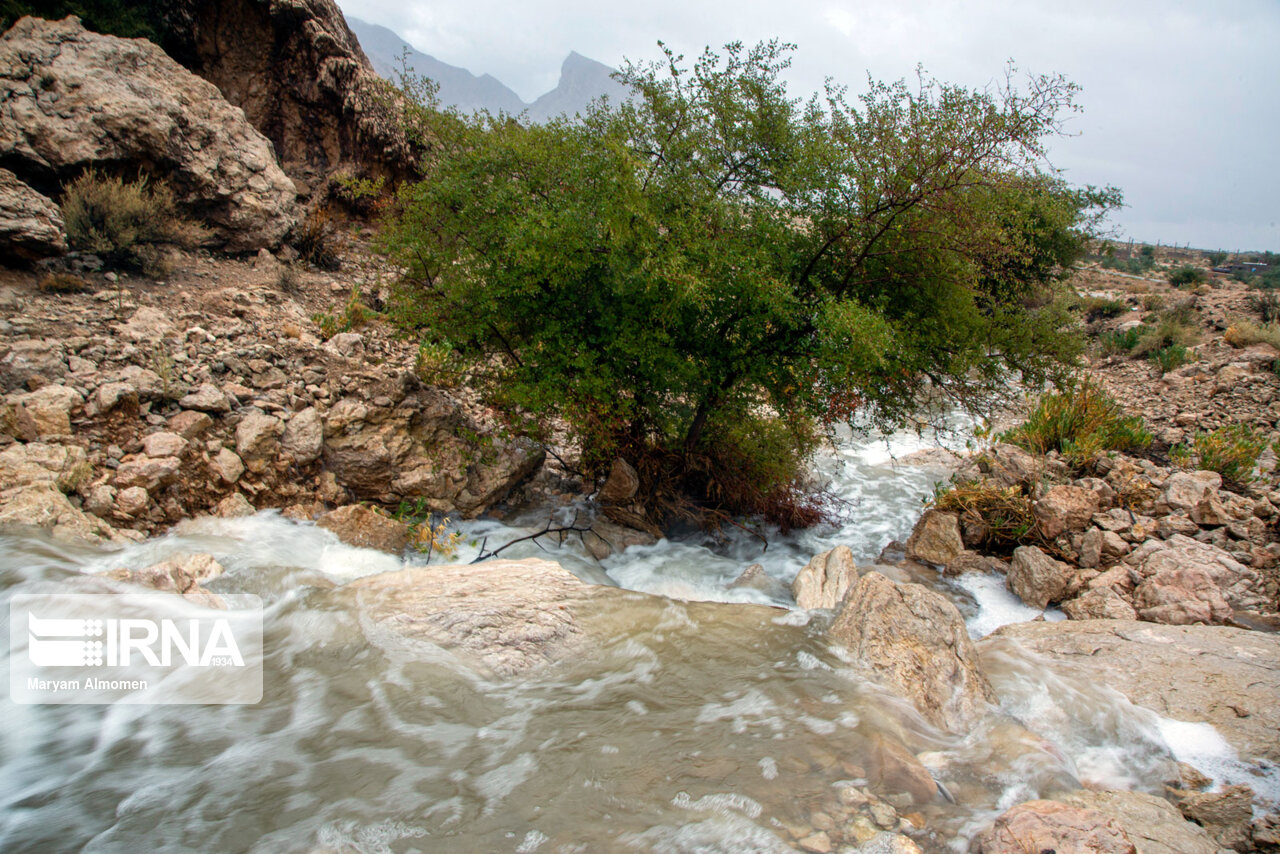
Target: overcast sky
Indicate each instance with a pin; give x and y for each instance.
(1181, 99)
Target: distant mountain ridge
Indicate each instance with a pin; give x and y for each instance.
(581, 79)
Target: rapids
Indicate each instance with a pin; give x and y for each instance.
(692, 728)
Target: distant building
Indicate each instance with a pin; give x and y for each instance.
(1242, 267)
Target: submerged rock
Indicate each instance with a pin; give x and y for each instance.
(1228, 677)
(916, 642)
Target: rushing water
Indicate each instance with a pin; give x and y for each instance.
(691, 726)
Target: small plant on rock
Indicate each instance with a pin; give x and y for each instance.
(123, 220)
(353, 315)
(1231, 451)
(1003, 515)
(427, 534)
(1170, 358)
(1080, 422)
(1117, 342)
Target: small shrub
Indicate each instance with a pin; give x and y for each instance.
(1100, 308)
(1245, 333)
(1188, 276)
(361, 195)
(121, 220)
(62, 283)
(353, 315)
(1215, 258)
(291, 330)
(1003, 515)
(1174, 327)
(316, 239)
(1231, 451)
(1153, 302)
(1081, 423)
(426, 534)
(1267, 305)
(1170, 358)
(1115, 343)
(288, 278)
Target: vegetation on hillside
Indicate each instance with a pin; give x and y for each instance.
(705, 278)
(132, 19)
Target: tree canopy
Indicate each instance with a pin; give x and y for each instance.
(700, 279)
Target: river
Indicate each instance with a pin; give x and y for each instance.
(691, 728)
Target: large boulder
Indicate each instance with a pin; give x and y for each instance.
(1036, 578)
(1186, 581)
(825, 579)
(1040, 826)
(30, 224)
(1151, 823)
(300, 76)
(400, 440)
(366, 528)
(506, 616)
(916, 642)
(41, 505)
(65, 467)
(936, 538)
(1065, 508)
(1227, 677)
(31, 362)
(71, 99)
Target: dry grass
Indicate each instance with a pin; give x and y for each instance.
(1246, 333)
(1003, 515)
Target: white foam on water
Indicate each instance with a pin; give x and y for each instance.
(994, 605)
(533, 840)
(1201, 746)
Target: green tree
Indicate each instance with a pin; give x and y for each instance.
(700, 279)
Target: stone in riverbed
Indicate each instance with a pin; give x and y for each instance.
(1036, 578)
(1064, 509)
(916, 642)
(366, 528)
(1042, 826)
(1227, 677)
(936, 538)
(825, 579)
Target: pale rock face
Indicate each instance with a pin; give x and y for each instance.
(304, 436)
(1186, 581)
(22, 361)
(1036, 578)
(1102, 603)
(30, 224)
(258, 439)
(936, 538)
(65, 467)
(825, 579)
(227, 466)
(149, 473)
(1224, 676)
(364, 527)
(1152, 824)
(163, 444)
(41, 505)
(915, 641)
(1053, 826)
(1065, 508)
(1185, 489)
(72, 98)
(50, 408)
(207, 398)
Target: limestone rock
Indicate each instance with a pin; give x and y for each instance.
(132, 502)
(400, 440)
(971, 561)
(41, 505)
(207, 398)
(226, 465)
(234, 506)
(23, 361)
(1226, 814)
(1185, 489)
(508, 616)
(1228, 677)
(163, 444)
(257, 51)
(258, 439)
(1151, 823)
(50, 408)
(1103, 603)
(65, 467)
(304, 436)
(150, 473)
(1036, 578)
(893, 768)
(936, 538)
(1065, 508)
(119, 100)
(1186, 581)
(915, 641)
(366, 528)
(825, 579)
(30, 224)
(622, 484)
(1040, 826)
(189, 424)
(1099, 547)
